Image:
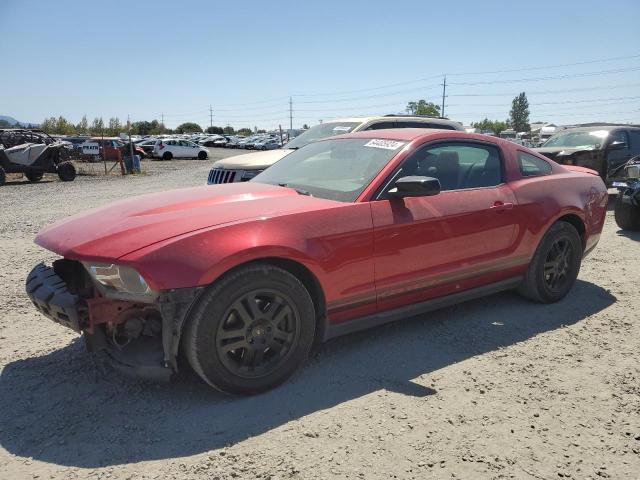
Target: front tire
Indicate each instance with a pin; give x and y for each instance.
(66, 171)
(167, 156)
(3, 177)
(555, 265)
(34, 175)
(202, 155)
(627, 216)
(251, 330)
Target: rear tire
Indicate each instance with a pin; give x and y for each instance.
(66, 171)
(265, 315)
(555, 265)
(627, 216)
(34, 176)
(167, 156)
(3, 177)
(202, 155)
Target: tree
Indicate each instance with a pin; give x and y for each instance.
(422, 107)
(64, 126)
(305, 127)
(245, 132)
(519, 114)
(97, 127)
(48, 125)
(4, 124)
(189, 127)
(228, 130)
(82, 128)
(495, 126)
(217, 130)
(115, 127)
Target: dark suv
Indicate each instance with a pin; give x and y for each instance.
(602, 148)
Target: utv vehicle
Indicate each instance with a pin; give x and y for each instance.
(33, 153)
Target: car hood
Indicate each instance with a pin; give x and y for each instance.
(110, 232)
(568, 150)
(253, 161)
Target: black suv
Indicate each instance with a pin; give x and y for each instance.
(605, 149)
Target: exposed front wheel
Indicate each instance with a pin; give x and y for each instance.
(66, 171)
(555, 265)
(202, 155)
(627, 216)
(167, 156)
(251, 330)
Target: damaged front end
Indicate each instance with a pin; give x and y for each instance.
(136, 330)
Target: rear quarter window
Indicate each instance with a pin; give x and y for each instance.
(531, 166)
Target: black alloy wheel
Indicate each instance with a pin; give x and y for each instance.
(557, 264)
(257, 333)
(250, 330)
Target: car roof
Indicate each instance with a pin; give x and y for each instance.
(594, 128)
(394, 117)
(410, 134)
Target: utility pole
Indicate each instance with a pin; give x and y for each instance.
(290, 114)
(162, 119)
(444, 94)
(210, 116)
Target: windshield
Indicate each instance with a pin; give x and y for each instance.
(333, 169)
(318, 132)
(594, 139)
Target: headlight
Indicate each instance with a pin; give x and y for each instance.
(119, 278)
(249, 174)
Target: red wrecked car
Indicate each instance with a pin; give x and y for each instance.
(343, 234)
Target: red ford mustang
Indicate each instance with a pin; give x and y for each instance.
(343, 234)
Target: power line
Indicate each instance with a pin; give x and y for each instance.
(546, 92)
(489, 72)
(556, 77)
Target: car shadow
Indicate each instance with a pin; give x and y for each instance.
(23, 181)
(629, 234)
(57, 408)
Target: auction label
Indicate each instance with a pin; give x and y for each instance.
(386, 144)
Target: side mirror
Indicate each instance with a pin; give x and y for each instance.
(415, 186)
(617, 145)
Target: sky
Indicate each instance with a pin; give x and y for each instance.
(577, 61)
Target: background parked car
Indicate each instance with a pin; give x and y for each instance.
(605, 149)
(267, 144)
(147, 145)
(169, 148)
(244, 167)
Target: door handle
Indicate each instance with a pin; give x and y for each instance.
(501, 206)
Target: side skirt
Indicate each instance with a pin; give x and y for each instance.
(395, 314)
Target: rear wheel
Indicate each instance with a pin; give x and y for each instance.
(202, 155)
(251, 330)
(167, 156)
(34, 175)
(627, 216)
(3, 176)
(555, 264)
(66, 171)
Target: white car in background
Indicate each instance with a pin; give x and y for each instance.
(168, 148)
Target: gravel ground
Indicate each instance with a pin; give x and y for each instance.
(494, 388)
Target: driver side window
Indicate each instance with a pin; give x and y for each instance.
(457, 165)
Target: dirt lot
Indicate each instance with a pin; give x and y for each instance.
(495, 388)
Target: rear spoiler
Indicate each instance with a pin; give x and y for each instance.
(576, 168)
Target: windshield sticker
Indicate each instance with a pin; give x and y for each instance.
(385, 144)
(341, 128)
